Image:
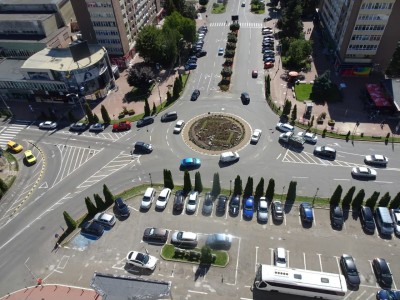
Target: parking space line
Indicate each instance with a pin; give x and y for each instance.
(288, 260)
(304, 257)
(315, 223)
(337, 262)
(392, 277)
(197, 292)
(320, 262)
(255, 266)
(272, 254)
(372, 295)
(361, 294)
(197, 209)
(372, 269)
(348, 295)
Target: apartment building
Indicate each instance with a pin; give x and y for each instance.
(364, 32)
(114, 24)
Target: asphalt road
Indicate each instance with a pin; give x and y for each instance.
(74, 166)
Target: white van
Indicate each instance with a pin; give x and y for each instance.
(148, 198)
(280, 257)
(384, 221)
(163, 198)
(229, 156)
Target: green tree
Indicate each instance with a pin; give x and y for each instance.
(358, 200)
(71, 224)
(371, 201)
(169, 97)
(216, 187)
(198, 185)
(104, 114)
(95, 118)
(384, 201)
(146, 108)
(100, 204)
(206, 255)
(393, 69)
(203, 2)
(226, 72)
(291, 194)
(141, 76)
(269, 193)
(168, 182)
(3, 186)
(237, 186)
(185, 27)
(248, 189)
(91, 208)
(321, 87)
(335, 198)
(148, 43)
(259, 192)
(268, 85)
(294, 114)
(299, 50)
(187, 183)
(176, 89)
(291, 24)
(108, 196)
(89, 113)
(154, 111)
(395, 203)
(287, 108)
(348, 198)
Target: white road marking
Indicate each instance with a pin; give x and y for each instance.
(255, 267)
(320, 262)
(304, 258)
(197, 292)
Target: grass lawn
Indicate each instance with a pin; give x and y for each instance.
(218, 8)
(303, 91)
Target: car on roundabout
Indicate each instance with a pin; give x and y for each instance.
(179, 126)
(78, 127)
(284, 127)
(141, 260)
(14, 147)
(29, 157)
(245, 97)
(363, 172)
(191, 162)
(221, 51)
(255, 137)
(96, 127)
(48, 125)
(122, 126)
(325, 152)
(195, 95)
(376, 160)
(309, 137)
(227, 157)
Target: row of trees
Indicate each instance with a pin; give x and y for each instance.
(229, 55)
(3, 188)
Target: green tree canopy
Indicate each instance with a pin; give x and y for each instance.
(237, 187)
(299, 50)
(335, 198)
(348, 198)
(371, 201)
(321, 87)
(216, 187)
(140, 76)
(393, 69)
(269, 193)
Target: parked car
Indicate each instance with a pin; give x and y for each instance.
(179, 201)
(195, 95)
(184, 239)
(284, 127)
(248, 209)
(179, 126)
(148, 198)
(280, 257)
(325, 152)
(337, 217)
(221, 204)
(262, 211)
(349, 270)
(201, 53)
(163, 198)
(141, 260)
(395, 213)
(207, 204)
(191, 66)
(142, 147)
(190, 162)
(382, 272)
(363, 172)
(145, 121)
(306, 212)
(169, 116)
(121, 126)
(157, 235)
(367, 219)
(268, 65)
(96, 127)
(191, 205)
(388, 295)
(105, 219)
(221, 51)
(48, 125)
(92, 229)
(121, 208)
(14, 147)
(256, 136)
(245, 98)
(269, 59)
(219, 241)
(78, 127)
(234, 205)
(376, 159)
(309, 137)
(229, 156)
(29, 157)
(277, 210)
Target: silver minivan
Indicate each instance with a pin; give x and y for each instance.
(384, 221)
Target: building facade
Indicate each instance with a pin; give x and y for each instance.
(114, 24)
(364, 32)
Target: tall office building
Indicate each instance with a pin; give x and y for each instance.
(365, 33)
(114, 24)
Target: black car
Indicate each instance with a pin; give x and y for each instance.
(221, 204)
(79, 127)
(93, 229)
(141, 147)
(349, 270)
(277, 210)
(195, 95)
(201, 53)
(337, 217)
(145, 121)
(158, 235)
(169, 116)
(382, 272)
(367, 219)
(245, 97)
(234, 205)
(121, 209)
(269, 59)
(179, 201)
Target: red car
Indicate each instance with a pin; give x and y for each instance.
(124, 125)
(268, 65)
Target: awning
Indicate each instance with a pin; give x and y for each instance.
(378, 96)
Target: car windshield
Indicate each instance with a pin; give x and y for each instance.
(161, 199)
(281, 260)
(144, 258)
(263, 209)
(146, 199)
(352, 272)
(192, 202)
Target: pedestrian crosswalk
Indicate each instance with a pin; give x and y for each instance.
(242, 24)
(10, 131)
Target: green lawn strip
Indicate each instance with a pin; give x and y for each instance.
(168, 252)
(218, 8)
(303, 91)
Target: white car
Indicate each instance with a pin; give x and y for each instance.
(96, 127)
(309, 137)
(184, 238)
(395, 212)
(179, 126)
(376, 159)
(48, 125)
(104, 219)
(256, 136)
(285, 127)
(192, 202)
(262, 212)
(141, 260)
(229, 157)
(364, 172)
(163, 198)
(280, 257)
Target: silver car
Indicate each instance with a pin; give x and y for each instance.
(207, 205)
(376, 159)
(48, 125)
(262, 212)
(309, 137)
(96, 127)
(184, 238)
(256, 136)
(285, 127)
(105, 219)
(363, 172)
(395, 212)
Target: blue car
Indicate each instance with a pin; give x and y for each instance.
(190, 66)
(388, 295)
(191, 162)
(248, 209)
(306, 212)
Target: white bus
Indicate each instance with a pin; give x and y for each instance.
(300, 282)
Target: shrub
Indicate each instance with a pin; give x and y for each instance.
(71, 224)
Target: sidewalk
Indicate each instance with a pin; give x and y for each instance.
(53, 292)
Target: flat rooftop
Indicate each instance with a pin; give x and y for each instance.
(24, 17)
(30, 2)
(10, 69)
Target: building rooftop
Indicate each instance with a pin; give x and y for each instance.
(114, 287)
(10, 69)
(24, 17)
(30, 2)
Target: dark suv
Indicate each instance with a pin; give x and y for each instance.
(277, 210)
(121, 209)
(195, 95)
(142, 147)
(337, 217)
(179, 201)
(234, 205)
(367, 219)
(221, 204)
(145, 121)
(245, 98)
(169, 116)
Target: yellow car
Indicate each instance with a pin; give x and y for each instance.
(15, 147)
(30, 158)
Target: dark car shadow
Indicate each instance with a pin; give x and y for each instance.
(226, 164)
(181, 168)
(201, 271)
(176, 212)
(136, 270)
(306, 225)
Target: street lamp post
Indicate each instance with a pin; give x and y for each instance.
(230, 187)
(313, 200)
(151, 182)
(158, 87)
(283, 191)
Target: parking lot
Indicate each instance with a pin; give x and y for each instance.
(317, 247)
